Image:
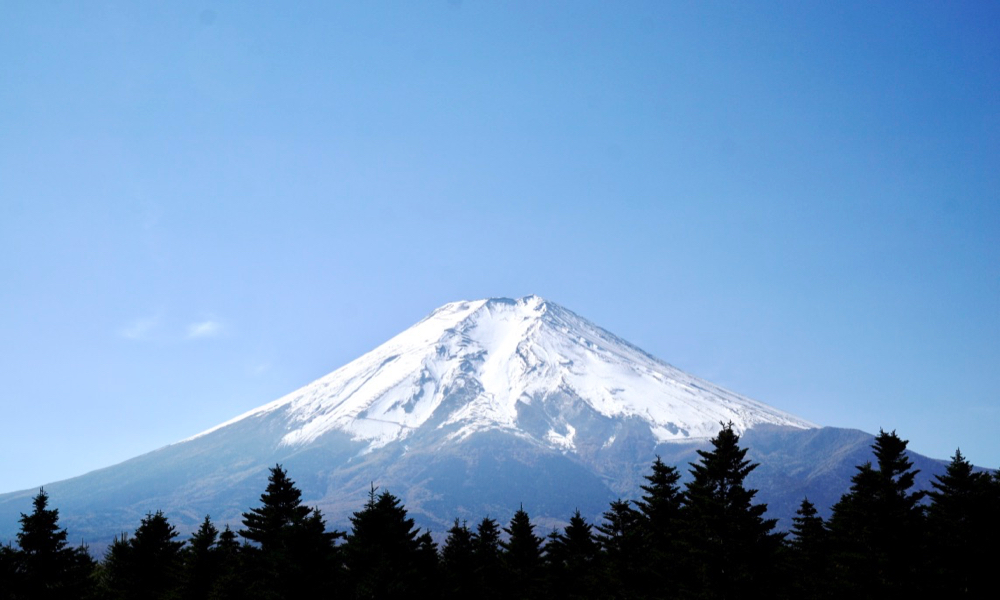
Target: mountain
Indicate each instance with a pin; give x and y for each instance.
(527, 367)
(478, 408)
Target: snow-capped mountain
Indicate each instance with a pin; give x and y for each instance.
(502, 355)
(479, 408)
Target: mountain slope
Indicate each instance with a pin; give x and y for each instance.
(477, 408)
(499, 357)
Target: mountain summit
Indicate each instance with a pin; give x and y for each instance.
(526, 366)
(479, 408)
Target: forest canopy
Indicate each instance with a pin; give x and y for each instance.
(705, 540)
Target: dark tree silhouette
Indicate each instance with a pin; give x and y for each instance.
(624, 547)
(384, 553)
(458, 563)
(522, 557)
(877, 527)
(732, 549)
(45, 566)
(660, 508)
(147, 566)
(294, 555)
(230, 582)
(486, 550)
(201, 562)
(574, 560)
(810, 553)
(962, 528)
(8, 573)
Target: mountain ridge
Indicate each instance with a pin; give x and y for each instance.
(514, 351)
(478, 407)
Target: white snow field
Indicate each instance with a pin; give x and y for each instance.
(509, 353)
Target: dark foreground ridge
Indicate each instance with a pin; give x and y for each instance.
(705, 540)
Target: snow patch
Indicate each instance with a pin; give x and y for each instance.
(516, 350)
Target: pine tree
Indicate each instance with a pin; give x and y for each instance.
(458, 563)
(428, 566)
(383, 551)
(230, 582)
(147, 566)
(46, 566)
(116, 577)
(522, 556)
(573, 557)
(733, 549)
(660, 508)
(201, 562)
(9, 584)
(810, 553)
(294, 555)
(625, 549)
(486, 552)
(877, 527)
(281, 510)
(961, 528)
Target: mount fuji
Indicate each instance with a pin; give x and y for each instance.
(480, 407)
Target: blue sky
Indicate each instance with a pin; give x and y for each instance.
(204, 206)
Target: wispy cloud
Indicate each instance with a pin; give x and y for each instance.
(141, 328)
(204, 329)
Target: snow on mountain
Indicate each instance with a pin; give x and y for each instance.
(481, 407)
(506, 355)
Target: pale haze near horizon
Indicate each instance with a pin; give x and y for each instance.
(204, 206)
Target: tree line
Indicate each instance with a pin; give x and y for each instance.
(705, 540)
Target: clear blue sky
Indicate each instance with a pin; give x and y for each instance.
(204, 206)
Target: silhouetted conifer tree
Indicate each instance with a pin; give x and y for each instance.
(45, 566)
(147, 566)
(573, 557)
(230, 583)
(877, 528)
(961, 522)
(428, 565)
(624, 546)
(660, 508)
(294, 556)
(522, 557)
(732, 549)
(810, 553)
(486, 549)
(8, 572)
(201, 562)
(384, 553)
(458, 563)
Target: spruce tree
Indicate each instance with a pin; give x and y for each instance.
(281, 510)
(877, 527)
(157, 556)
(8, 573)
(201, 562)
(624, 546)
(732, 548)
(522, 557)
(116, 576)
(961, 525)
(147, 566)
(293, 555)
(810, 553)
(46, 566)
(573, 557)
(384, 552)
(458, 563)
(230, 582)
(428, 566)
(660, 508)
(486, 553)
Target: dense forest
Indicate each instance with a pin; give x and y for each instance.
(708, 540)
